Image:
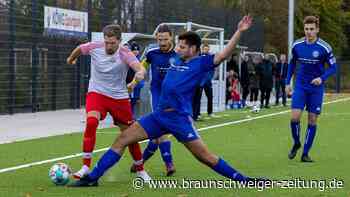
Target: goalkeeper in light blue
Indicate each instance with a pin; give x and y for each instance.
(311, 52)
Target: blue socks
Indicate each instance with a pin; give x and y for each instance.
(105, 162)
(226, 170)
(310, 136)
(150, 150)
(295, 127)
(165, 149)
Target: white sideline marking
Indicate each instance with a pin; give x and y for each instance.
(201, 129)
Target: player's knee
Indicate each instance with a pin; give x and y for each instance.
(91, 126)
(312, 119)
(156, 141)
(295, 117)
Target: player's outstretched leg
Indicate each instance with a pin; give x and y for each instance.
(89, 141)
(295, 129)
(201, 152)
(165, 150)
(310, 136)
(133, 134)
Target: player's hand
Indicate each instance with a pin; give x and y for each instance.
(71, 61)
(131, 86)
(139, 76)
(317, 81)
(288, 90)
(245, 23)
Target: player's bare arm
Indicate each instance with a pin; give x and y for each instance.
(140, 72)
(72, 58)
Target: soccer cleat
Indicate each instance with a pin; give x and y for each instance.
(170, 169)
(294, 151)
(133, 168)
(144, 175)
(85, 181)
(306, 158)
(82, 172)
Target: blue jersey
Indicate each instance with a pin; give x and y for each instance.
(181, 80)
(312, 57)
(160, 64)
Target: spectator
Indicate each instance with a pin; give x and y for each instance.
(253, 80)
(205, 85)
(244, 79)
(229, 77)
(235, 96)
(265, 81)
(280, 73)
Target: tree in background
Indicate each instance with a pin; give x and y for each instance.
(334, 19)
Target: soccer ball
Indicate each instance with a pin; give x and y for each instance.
(255, 109)
(59, 173)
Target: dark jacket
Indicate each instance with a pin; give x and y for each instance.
(280, 71)
(244, 77)
(253, 75)
(265, 74)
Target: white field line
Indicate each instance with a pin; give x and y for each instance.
(201, 129)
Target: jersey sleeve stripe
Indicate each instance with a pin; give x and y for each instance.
(324, 45)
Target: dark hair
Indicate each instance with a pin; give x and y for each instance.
(163, 29)
(312, 20)
(192, 39)
(112, 31)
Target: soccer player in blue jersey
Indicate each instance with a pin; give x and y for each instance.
(173, 114)
(311, 52)
(157, 59)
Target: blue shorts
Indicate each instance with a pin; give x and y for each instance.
(311, 98)
(159, 123)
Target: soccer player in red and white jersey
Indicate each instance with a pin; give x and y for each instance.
(108, 91)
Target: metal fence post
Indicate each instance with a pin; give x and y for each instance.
(12, 26)
(35, 55)
(54, 72)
